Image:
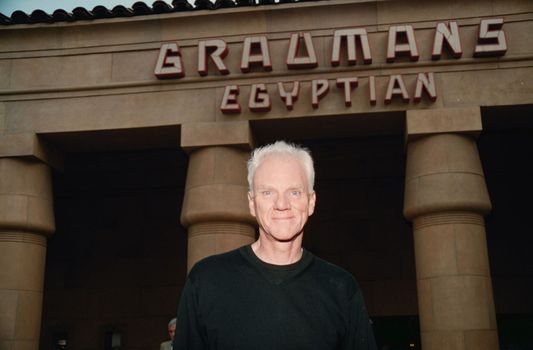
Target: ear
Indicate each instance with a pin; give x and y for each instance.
(312, 202)
(251, 204)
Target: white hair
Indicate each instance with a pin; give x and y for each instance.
(172, 321)
(283, 148)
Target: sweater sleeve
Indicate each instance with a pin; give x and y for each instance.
(190, 334)
(359, 335)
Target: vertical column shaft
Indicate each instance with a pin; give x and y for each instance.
(26, 218)
(446, 198)
(215, 209)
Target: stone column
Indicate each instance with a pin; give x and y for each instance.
(215, 208)
(446, 198)
(26, 219)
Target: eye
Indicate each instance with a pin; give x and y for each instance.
(266, 193)
(296, 193)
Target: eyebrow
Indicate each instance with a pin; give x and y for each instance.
(269, 188)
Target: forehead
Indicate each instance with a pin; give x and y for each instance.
(284, 169)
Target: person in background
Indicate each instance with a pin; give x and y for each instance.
(167, 345)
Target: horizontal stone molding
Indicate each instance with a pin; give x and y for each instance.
(224, 228)
(22, 237)
(67, 35)
(448, 218)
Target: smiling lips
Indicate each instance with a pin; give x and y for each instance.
(283, 218)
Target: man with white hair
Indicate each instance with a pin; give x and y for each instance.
(273, 294)
(167, 345)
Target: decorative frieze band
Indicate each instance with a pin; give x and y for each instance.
(210, 228)
(448, 218)
(23, 237)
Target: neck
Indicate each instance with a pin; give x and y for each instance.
(278, 253)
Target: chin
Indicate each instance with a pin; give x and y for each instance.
(286, 237)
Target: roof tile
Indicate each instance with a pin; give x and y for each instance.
(81, 13)
(20, 17)
(101, 12)
(39, 16)
(182, 5)
(139, 8)
(203, 5)
(121, 11)
(62, 15)
(161, 7)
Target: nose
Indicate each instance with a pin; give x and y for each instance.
(282, 203)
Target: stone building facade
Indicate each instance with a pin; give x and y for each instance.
(123, 144)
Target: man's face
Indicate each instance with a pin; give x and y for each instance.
(280, 200)
(172, 331)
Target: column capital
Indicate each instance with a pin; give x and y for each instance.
(216, 187)
(423, 122)
(206, 134)
(30, 145)
(215, 206)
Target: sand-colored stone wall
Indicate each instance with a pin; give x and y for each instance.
(99, 74)
(88, 79)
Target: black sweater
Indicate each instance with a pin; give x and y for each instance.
(234, 301)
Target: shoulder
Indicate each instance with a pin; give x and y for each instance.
(166, 345)
(215, 265)
(336, 272)
(338, 278)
